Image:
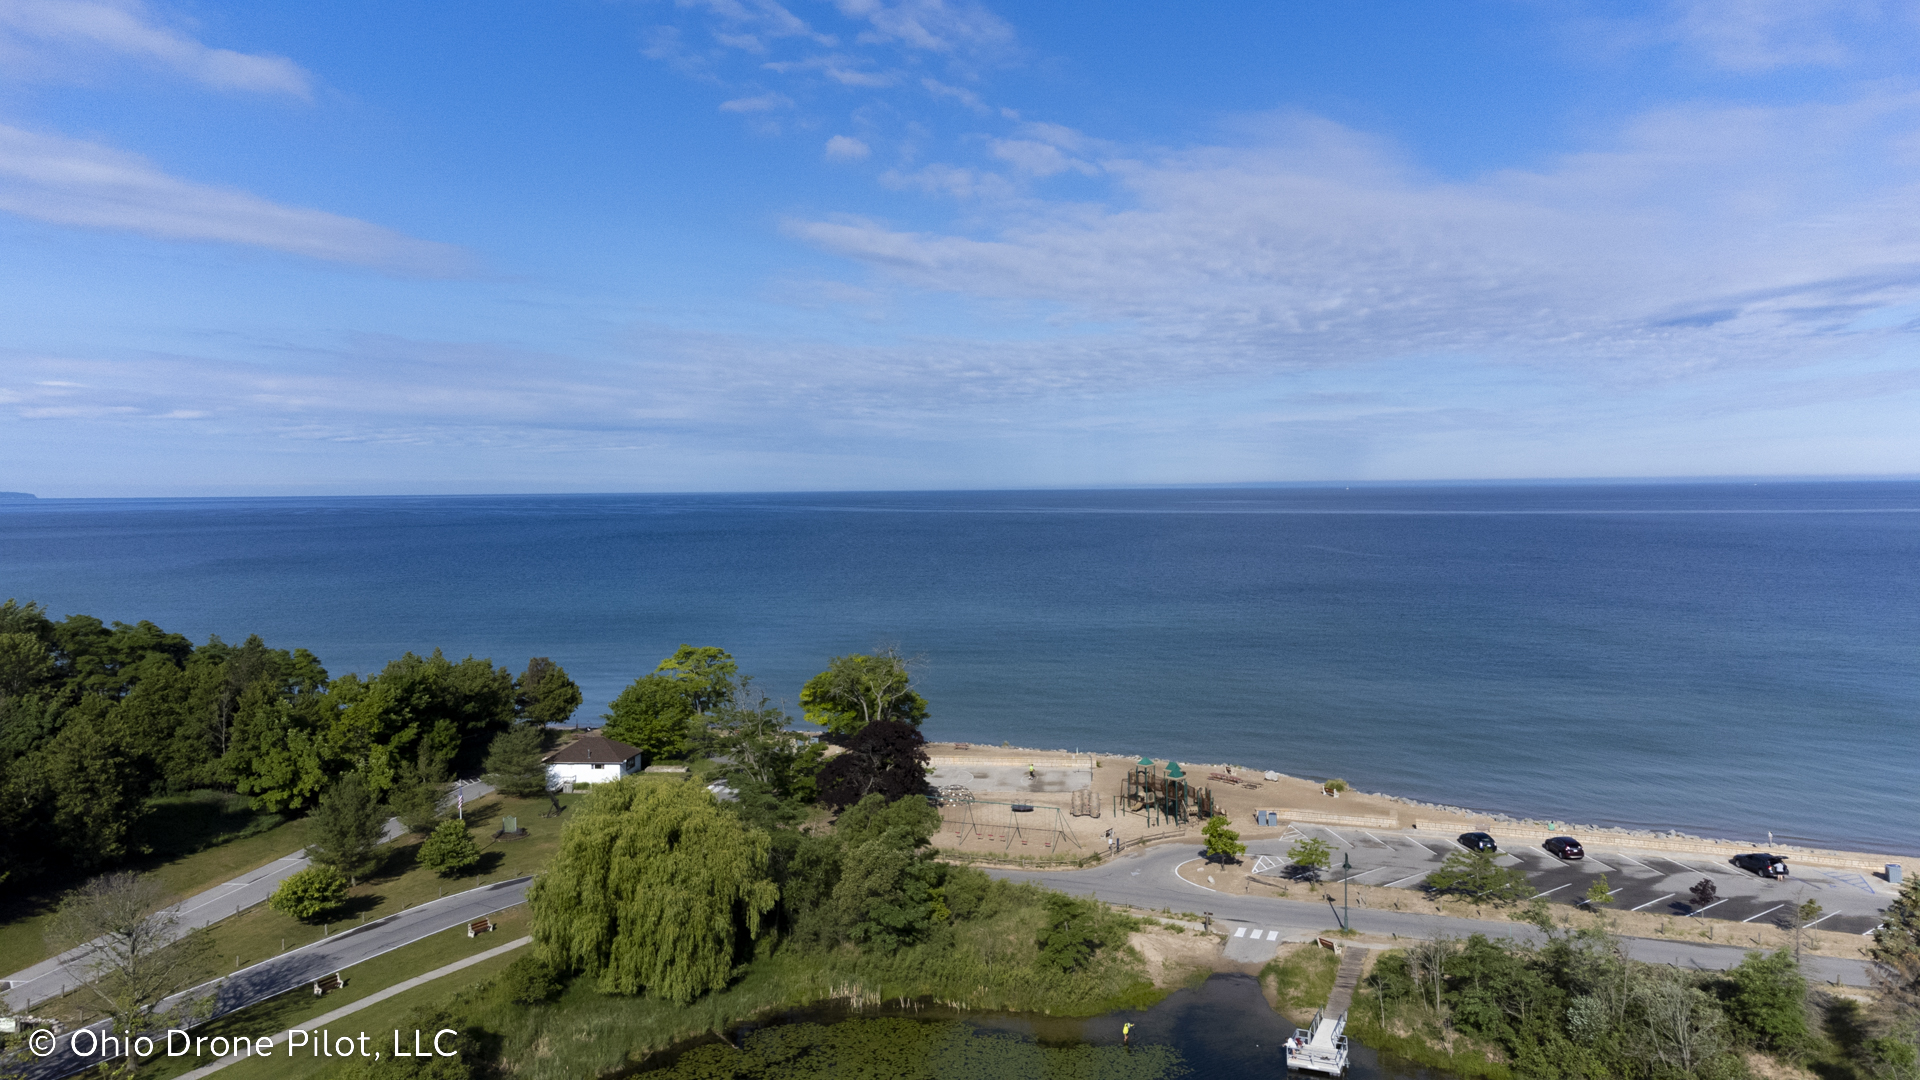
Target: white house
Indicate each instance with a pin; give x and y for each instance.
(591, 759)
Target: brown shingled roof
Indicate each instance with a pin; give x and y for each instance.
(592, 750)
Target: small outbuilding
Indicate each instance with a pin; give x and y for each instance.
(591, 759)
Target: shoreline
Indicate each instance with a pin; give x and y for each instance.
(1370, 809)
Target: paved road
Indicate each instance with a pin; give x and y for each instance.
(51, 978)
(1146, 879)
(302, 966)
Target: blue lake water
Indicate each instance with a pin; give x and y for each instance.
(1728, 659)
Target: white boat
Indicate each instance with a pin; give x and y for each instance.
(1321, 1048)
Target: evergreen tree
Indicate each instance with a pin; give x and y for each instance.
(346, 827)
(543, 694)
(655, 889)
(514, 765)
(450, 850)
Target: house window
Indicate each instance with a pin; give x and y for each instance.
(599, 766)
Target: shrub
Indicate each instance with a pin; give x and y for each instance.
(529, 981)
(311, 894)
(449, 850)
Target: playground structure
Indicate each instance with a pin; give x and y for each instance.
(970, 819)
(1164, 796)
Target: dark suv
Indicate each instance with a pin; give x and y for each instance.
(1478, 841)
(1565, 847)
(1760, 862)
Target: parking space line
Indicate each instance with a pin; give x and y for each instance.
(1650, 903)
(1715, 904)
(1631, 859)
(1364, 873)
(1821, 919)
(1874, 931)
(1377, 840)
(1770, 910)
(1404, 880)
(1556, 888)
(1418, 844)
(1678, 863)
(1336, 836)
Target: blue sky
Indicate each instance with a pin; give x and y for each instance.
(740, 245)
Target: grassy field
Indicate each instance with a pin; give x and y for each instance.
(363, 980)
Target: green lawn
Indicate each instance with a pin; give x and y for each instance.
(23, 921)
(260, 933)
(364, 980)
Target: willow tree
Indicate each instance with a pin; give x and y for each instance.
(655, 890)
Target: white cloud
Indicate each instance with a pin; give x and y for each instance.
(129, 30)
(1758, 35)
(757, 103)
(932, 25)
(957, 93)
(71, 182)
(1699, 238)
(846, 148)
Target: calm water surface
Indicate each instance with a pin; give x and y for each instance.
(1726, 659)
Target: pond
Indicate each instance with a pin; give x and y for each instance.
(1221, 1028)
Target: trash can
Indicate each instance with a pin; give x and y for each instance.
(1893, 873)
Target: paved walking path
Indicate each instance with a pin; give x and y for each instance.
(303, 966)
(375, 999)
(1146, 879)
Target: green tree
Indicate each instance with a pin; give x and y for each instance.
(449, 850)
(514, 764)
(1076, 929)
(655, 889)
(659, 712)
(857, 690)
(1222, 843)
(1309, 858)
(543, 694)
(1896, 976)
(1767, 996)
(1476, 876)
(346, 827)
(310, 895)
(885, 897)
(1597, 893)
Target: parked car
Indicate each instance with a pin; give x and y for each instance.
(1478, 841)
(1762, 863)
(1565, 847)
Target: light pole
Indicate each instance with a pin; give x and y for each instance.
(1346, 916)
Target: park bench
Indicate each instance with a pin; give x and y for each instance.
(1225, 778)
(479, 926)
(332, 982)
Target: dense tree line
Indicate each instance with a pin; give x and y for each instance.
(97, 719)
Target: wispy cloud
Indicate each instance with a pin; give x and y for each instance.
(130, 30)
(757, 103)
(933, 25)
(847, 148)
(72, 182)
(1700, 237)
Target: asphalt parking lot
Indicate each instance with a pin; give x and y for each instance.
(1641, 881)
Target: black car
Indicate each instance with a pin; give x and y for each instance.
(1565, 847)
(1478, 841)
(1762, 863)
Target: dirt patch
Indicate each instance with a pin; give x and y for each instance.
(1767, 1068)
(1174, 958)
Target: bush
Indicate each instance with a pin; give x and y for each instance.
(528, 981)
(310, 895)
(450, 850)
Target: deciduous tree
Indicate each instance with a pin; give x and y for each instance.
(1309, 858)
(138, 956)
(859, 690)
(1476, 876)
(655, 889)
(1222, 843)
(886, 758)
(310, 895)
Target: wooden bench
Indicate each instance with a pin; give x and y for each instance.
(479, 926)
(1224, 778)
(332, 982)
